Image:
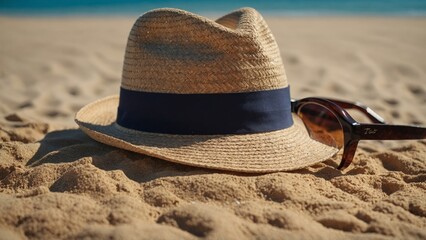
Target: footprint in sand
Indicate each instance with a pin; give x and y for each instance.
(417, 91)
(391, 101)
(74, 91)
(293, 60)
(55, 113)
(395, 114)
(405, 70)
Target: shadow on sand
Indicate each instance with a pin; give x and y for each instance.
(67, 146)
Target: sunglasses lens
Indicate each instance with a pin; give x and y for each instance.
(322, 124)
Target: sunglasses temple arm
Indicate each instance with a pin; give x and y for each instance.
(293, 103)
(372, 115)
(378, 132)
(389, 132)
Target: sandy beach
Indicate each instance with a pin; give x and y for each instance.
(57, 183)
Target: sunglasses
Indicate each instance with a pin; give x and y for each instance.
(328, 122)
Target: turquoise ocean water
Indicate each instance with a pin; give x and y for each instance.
(271, 7)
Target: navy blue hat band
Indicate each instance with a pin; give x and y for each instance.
(205, 114)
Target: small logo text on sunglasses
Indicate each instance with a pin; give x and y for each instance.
(370, 131)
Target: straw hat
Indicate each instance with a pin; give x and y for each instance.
(205, 93)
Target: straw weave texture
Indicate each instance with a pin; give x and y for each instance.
(174, 51)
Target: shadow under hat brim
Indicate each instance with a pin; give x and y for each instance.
(281, 150)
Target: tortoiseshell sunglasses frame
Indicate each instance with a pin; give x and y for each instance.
(354, 131)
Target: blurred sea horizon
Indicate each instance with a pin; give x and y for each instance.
(267, 7)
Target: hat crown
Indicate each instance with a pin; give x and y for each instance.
(174, 51)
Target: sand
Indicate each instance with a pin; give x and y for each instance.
(57, 183)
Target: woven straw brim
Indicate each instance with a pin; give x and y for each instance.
(281, 150)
